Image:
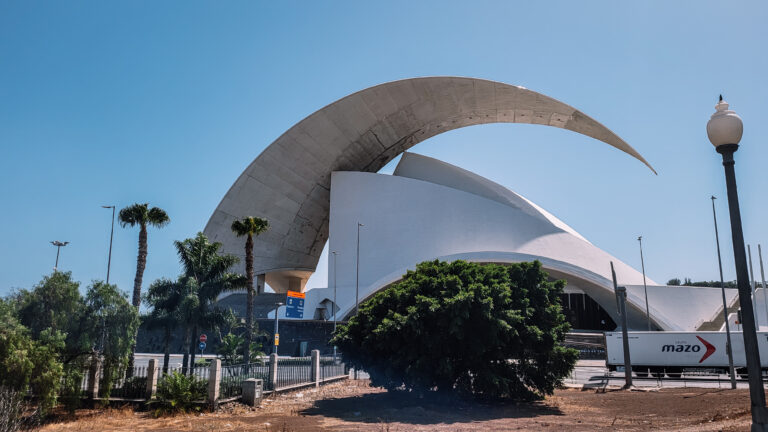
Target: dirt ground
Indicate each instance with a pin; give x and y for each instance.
(353, 406)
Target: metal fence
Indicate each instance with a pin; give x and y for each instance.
(233, 376)
(293, 371)
(201, 373)
(123, 387)
(331, 368)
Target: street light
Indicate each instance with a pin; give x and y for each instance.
(728, 345)
(58, 245)
(277, 333)
(642, 263)
(111, 234)
(724, 130)
(357, 270)
(334, 302)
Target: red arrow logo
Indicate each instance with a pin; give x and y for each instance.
(710, 349)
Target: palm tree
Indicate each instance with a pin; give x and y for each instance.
(141, 215)
(207, 274)
(248, 227)
(166, 298)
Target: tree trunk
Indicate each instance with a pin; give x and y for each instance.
(167, 349)
(194, 350)
(141, 263)
(249, 303)
(185, 360)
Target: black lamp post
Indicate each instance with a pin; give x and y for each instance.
(58, 245)
(724, 130)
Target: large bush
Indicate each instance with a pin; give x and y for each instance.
(488, 330)
(28, 364)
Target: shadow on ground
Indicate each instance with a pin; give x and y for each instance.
(402, 407)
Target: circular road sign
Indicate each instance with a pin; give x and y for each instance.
(203, 338)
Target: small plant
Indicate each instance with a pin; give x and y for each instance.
(178, 393)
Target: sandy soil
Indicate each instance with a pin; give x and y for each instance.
(353, 406)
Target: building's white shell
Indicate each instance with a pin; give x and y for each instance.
(429, 209)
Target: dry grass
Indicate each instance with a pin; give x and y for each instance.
(353, 406)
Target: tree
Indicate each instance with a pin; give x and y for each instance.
(141, 215)
(165, 298)
(110, 323)
(248, 227)
(27, 363)
(489, 330)
(206, 276)
(55, 305)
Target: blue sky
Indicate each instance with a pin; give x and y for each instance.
(167, 102)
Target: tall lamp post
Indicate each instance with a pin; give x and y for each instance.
(334, 302)
(58, 245)
(111, 234)
(725, 304)
(357, 270)
(645, 287)
(724, 130)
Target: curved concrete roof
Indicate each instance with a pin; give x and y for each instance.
(289, 182)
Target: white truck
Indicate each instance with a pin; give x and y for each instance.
(666, 352)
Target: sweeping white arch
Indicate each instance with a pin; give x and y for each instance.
(289, 182)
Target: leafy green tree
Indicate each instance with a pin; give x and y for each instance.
(141, 215)
(75, 328)
(55, 305)
(111, 323)
(489, 330)
(248, 227)
(206, 276)
(27, 363)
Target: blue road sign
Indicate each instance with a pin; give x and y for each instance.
(201, 346)
(294, 305)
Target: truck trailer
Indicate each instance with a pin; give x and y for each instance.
(662, 353)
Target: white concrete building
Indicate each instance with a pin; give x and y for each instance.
(432, 210)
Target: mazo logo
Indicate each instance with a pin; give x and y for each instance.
(691, 348)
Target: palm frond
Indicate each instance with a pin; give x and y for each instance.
(135, 214)
(157, 217)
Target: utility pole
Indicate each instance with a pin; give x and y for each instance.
(357, 270)
(645, 287)
(725, 304)
(111, 234)
(621, 298)
(334, 302)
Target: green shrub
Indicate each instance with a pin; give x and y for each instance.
(179, 393)
(491, 331)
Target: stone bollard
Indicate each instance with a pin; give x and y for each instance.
(214, 379)
(273, 371)
(93, 378)
(152, 373)
(316, 367)
(252, 391)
